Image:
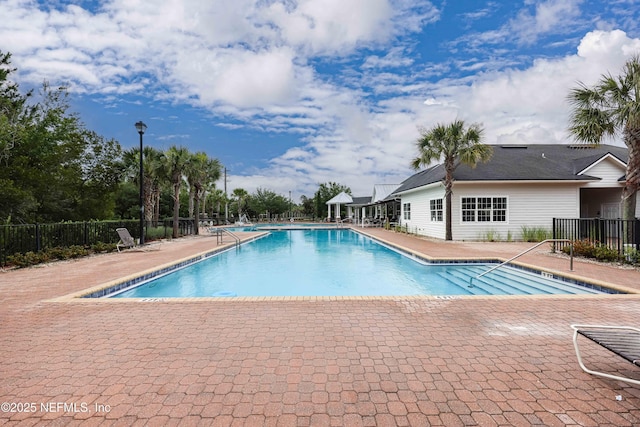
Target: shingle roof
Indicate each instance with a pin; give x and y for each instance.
(538, 162)
(363, 200)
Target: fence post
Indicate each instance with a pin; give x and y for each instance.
(38, 238)
(603, 231)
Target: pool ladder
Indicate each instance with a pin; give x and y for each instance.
(220, 237)
(524, 252)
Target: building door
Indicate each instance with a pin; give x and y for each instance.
(611, 210)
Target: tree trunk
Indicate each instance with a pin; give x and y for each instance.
(632, 181)
(448, 191)
(196, 219)
(196, 206)
(148, 199)
(192, 196)
(156, 211)
(176, 209)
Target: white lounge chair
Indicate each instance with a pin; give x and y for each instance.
(621, 340)
(126, 241)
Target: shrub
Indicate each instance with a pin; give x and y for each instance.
(28, 258)
(583, 248)
(77, 251)
(103, 247)
(632, 255)
(154, 233)
(57, 253)
(595, 250)
(491, 236)
(605, 253)
(535, 234)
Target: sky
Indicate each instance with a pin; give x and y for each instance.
(288, 94)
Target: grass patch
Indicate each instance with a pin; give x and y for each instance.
(535, 234)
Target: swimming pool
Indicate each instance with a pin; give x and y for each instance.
(337, 262)
(270, 226)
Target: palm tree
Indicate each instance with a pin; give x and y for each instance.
(610, 108)
(176, 161)
(151, 158)
(454, 143)
(240, 194)
(200, 172)
(217, 198)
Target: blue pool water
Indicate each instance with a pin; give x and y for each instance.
(337, 262)
(262, 225)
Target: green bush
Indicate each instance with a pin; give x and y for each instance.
(581, 248)
(154, 233)
(28, 258)
(77, 251)
(58, 253)
(605, 253)
(632, 255)
(595, 250)
(535, 234)
(103, 247)
(491, 236)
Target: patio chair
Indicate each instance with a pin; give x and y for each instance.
(126, 241)
(621, 340)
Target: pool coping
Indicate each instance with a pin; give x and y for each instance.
(608, 289)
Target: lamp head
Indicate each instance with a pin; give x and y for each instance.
(141, 127)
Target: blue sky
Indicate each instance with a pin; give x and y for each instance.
(292, 93)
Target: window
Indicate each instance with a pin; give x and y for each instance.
(436, 210)
(468, 209)
(484, 209)
(499, 209)
(406, 210)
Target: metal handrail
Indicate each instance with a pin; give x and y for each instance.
(524, 252)
(237, 239)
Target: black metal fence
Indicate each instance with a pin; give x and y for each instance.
(617, 234)
(20, 239)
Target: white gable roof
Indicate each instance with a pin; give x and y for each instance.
(340, 198)
(381, 191)
(607, 157)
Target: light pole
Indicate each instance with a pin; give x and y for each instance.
(141, 127)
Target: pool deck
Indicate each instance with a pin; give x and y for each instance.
(405, 361)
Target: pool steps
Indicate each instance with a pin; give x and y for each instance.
(509, 282)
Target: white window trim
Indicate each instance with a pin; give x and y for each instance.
(506, 221)
(405, 211)
(430, 211)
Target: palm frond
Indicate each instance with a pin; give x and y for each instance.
(450, 143)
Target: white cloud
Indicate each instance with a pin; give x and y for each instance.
(529, 106)
(514, 106)
(257, 65)
(329, 26)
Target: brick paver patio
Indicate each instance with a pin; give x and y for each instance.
(306, 362)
